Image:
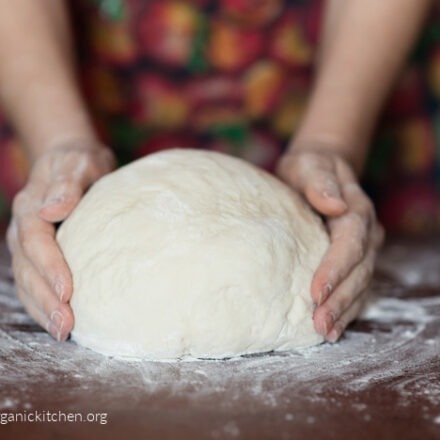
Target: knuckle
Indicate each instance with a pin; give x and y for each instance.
(309, 160)
(356, 223)
(69, 159)
(87, 163)
(26, 238)
(21, 199)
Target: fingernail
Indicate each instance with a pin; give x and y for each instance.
(51, 329)
(55, 325)
(330, 195)
(324, 294)
(54, 200)
(333, 336)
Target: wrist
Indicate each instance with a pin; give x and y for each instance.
(353, 155)
(84, 141)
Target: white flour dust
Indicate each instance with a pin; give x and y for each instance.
(387, 348)
(390, 347)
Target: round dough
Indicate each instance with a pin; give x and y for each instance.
(192, 254)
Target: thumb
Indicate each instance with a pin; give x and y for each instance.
(314, 175)
(71, 173)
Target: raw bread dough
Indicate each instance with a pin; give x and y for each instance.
(189, 253)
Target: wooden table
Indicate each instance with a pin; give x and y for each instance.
(381, 381)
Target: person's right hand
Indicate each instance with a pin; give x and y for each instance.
(329, 184)
(56, 184)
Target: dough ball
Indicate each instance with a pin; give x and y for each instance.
(192, 254)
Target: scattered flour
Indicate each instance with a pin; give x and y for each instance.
(390, 347)
(381, 348)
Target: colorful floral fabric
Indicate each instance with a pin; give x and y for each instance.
(234, 76)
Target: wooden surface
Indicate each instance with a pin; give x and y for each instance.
(381, 381)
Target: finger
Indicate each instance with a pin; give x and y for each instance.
(34, 239)
(40, 301)
(33, 311)
(353, 311)
(37, 296)
(327, 314)
(71, 173)
(347, 242)
(61, 199)
(346, 318)
(349, 238)
(53, 325)
(315, 176)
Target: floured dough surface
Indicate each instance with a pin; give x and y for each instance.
(192, 254)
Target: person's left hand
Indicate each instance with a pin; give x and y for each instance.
(329, 184)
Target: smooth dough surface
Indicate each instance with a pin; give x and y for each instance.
(192, 254)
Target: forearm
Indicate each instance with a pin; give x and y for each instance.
(363, 49)
(38, 87)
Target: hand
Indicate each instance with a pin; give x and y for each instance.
(340, 283)
(56, 184)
